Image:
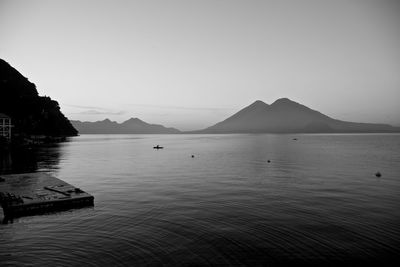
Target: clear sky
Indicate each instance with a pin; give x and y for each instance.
(189, 64)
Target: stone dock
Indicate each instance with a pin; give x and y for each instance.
(38, 193)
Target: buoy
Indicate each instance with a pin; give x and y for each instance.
(378, 174)
(192, 156)
(268, 161)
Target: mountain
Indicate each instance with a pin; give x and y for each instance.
(31, 114)
(131, 126)
(287, 116)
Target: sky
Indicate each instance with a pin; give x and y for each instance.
(190, 64)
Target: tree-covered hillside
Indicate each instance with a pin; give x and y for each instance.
(31, 114)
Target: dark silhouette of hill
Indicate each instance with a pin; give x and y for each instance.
(131, 126)
(286, 116)
(31, 114)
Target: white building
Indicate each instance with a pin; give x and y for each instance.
(5, 126)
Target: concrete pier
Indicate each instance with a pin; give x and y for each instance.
(36, 193)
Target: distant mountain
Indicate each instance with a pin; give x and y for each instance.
(286, 116)
(31, 114)
(131, 126)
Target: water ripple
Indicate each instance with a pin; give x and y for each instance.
(316, 202)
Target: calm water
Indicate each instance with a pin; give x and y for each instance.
(316, 202)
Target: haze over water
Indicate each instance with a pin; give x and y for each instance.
(317, 201)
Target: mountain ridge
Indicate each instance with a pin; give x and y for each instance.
(287, 116)
(130, 126)
(282, 116)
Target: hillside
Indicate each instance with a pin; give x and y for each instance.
(31, 114)
(286, 116)
(131, 126)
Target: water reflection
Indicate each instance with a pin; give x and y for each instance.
(317, 202)
(30, 159)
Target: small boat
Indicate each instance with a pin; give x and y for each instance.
(158, 147)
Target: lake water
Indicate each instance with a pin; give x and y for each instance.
(316, 202)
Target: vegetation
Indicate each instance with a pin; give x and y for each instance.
(31, 114)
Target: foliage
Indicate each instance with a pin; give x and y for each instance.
(31, 114)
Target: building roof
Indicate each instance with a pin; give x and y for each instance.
(2, 116)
